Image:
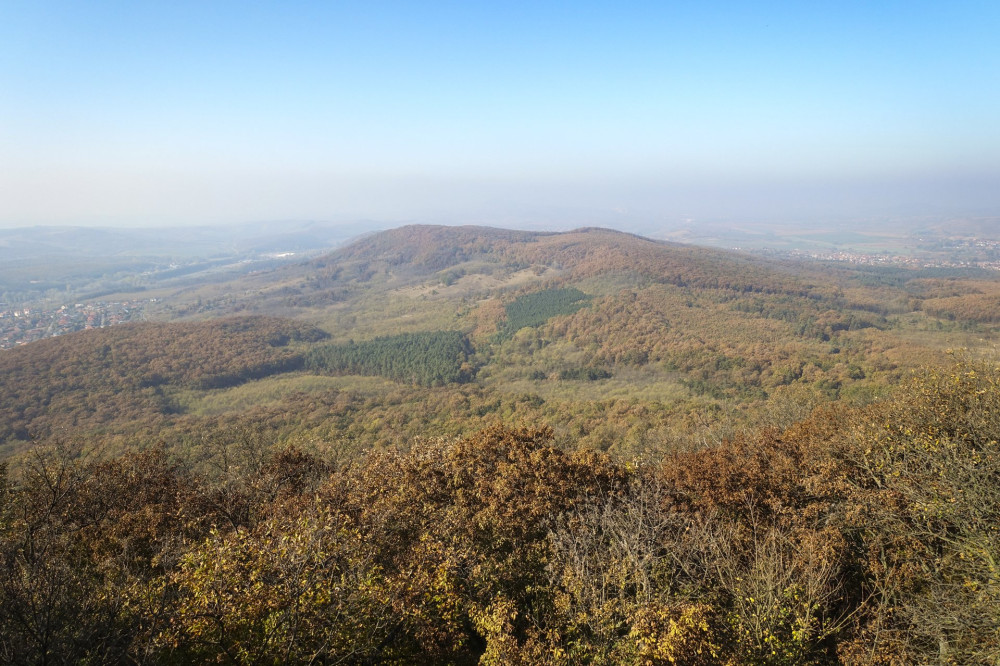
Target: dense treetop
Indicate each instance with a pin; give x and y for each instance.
(537, 307)
(859, 535)
(433, 358)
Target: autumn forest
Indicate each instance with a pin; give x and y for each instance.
(465, 445)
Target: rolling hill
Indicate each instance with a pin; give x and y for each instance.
(471, 446)
(618, 342)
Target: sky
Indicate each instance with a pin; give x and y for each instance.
(180, 113)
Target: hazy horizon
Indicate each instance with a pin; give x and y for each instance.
(124, 115)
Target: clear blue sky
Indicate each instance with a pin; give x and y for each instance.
(139, 113)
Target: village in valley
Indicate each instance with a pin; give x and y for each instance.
(22, 324)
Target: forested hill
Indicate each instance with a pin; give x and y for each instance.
(469, 445)
(116, 375)
(421, 249)
(489, 259)
(618, 342)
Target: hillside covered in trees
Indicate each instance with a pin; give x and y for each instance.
(859, 535)
(619, 343)
(117, 375)
(470, 445)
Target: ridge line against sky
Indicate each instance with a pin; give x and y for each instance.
(138, 114)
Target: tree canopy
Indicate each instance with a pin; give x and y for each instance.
(862, 535)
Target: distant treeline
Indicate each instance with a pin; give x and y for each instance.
(537, 308)
(433, 358)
